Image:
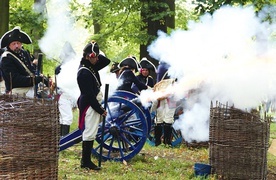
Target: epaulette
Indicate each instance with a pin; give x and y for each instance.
(5, 54)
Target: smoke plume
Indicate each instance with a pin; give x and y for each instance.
(227, 57)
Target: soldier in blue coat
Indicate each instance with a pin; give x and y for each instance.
(17, 68)
(144, 74)
(89, 101)
(127, 77)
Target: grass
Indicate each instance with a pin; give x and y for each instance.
(151, 163)
(273, 130)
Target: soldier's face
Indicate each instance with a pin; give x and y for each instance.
(93, 60)
(145, 72)
(15, 46)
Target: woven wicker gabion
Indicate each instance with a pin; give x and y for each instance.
(238, 143)
(28, 138)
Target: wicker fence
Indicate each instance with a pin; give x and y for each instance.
(28, 138)
(238, 143)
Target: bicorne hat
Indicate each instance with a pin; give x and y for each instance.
(114, 67)
(92, 49)
(14, 35)
(130, 62)
(145, 63)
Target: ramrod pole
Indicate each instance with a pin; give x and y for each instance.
(103, 126)
(38, 70)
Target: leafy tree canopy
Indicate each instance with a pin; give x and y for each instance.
(209, 6)
(23, 15)
(118, 25)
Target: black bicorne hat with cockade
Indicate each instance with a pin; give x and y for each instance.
(130, 62)
(92, 49)
(145, 63)
(14, 35)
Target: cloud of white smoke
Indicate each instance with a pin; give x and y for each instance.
(62, 30)
(230, 56)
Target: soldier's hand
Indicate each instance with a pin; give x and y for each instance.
(35, 61)
(104, 114)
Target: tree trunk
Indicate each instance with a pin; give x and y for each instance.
(154, 25)
(4, 14)
(170, 20)
(144, 18)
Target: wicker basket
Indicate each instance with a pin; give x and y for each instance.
(29, 137)
(238, 143)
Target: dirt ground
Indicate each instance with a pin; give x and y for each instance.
(271, 173)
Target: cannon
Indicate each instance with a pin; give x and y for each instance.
(128, 126)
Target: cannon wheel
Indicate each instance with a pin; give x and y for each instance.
(130, 96)
(125, 131)
(176, 137)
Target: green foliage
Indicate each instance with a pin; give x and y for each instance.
(209, 6)
(183, 15)
(117, 19)
(33, 23)
(118, 24)
(49, 67)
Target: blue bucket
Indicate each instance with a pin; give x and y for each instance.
(202, 169)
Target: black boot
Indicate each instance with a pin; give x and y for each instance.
(86, 156)
(65, 129)
(157, 134)
(167, 134)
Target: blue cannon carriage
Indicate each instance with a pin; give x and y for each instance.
(128, 126)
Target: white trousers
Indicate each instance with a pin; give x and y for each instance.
(28, 91)
(65, 106)
(164, 113)
(92, 120)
